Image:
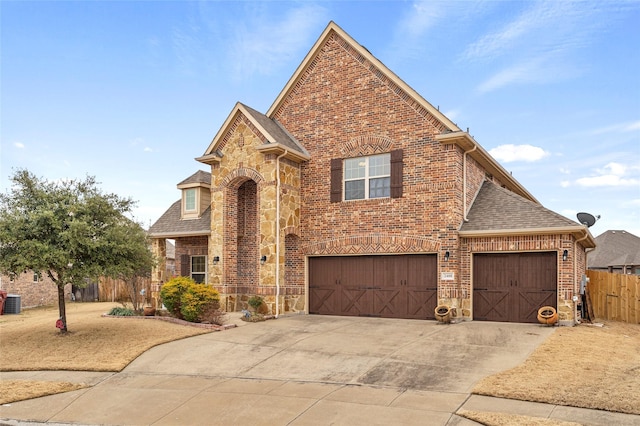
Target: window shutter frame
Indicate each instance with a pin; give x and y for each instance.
(396, 173)
(185, 265)
(336, 180)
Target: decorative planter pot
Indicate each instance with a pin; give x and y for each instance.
(443, 314)
(149, 311)
(547, 315)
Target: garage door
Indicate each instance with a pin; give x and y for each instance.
(512, 287)
(402, 286)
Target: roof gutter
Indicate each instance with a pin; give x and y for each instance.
(577, 231)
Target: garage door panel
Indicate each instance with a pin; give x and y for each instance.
(393, 286)
(513, 286)
(322, 300)
(492, 305)
(355, 301)
(421, 304)
(388, 303)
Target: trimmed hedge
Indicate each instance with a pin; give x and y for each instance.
(187, 299)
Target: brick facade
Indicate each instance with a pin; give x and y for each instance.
(33, 293)
(340, 104)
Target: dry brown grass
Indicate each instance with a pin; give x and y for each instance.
(504, 419)
(19, 390)
(30, 340)
(584, 366)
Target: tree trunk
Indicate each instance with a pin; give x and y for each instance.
(62, 308)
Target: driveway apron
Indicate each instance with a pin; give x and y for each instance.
(297, 370)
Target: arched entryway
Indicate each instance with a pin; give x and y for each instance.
(242, 237)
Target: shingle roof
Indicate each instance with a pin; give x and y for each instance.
(198, 177)
(170, 225)
(276, 130)
(496, 208)
(615, 248)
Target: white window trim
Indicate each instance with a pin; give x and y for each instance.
(206, 268)
(366, 178)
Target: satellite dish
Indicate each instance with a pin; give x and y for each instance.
(587, 219)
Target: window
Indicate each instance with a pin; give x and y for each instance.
(199, 269)
(367, 177)
(36, 277)
(190, 199)
(360, 178)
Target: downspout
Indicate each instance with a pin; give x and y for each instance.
(278, 231)
(464, 183)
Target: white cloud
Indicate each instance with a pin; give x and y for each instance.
(262, 44)
(617, 128)
(612, 175)
(18, 145)
(565, 184)
(147, 149)
(509, 153)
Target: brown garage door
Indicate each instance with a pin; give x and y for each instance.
(400, 286)
(512, 287)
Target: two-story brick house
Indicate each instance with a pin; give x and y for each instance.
(353, 195)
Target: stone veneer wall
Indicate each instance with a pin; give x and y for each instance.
(239, 273)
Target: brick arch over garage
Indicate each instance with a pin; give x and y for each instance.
(371, 244)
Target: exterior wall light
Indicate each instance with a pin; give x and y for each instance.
(216, 259)
(446, 256)
(565, 255)
(263, 259)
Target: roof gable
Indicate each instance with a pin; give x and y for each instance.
(170, 225)
(365, 57)
(276, 138)
(497, 211)
(199, 178)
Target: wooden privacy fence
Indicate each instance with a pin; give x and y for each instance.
(112, 290)
(615, 297)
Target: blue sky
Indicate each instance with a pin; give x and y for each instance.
(132, 92)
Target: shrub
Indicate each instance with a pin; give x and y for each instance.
(121, 312)
(211, 314)
(187, 299)
(194, 299)
(255, 302)
(172, 291)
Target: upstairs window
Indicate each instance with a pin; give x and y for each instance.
(361, 178)
(190, 200)
(367, 177)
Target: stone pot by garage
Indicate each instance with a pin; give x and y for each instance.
(547, 315)
(149, 311)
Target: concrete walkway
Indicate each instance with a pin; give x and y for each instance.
(306, 370)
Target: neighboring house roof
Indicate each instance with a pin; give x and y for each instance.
(498, 211)
(278, 139)
(171, 250)
(615, 248)
(171, 226)
(198, 177)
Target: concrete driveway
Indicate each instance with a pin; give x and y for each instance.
(298, 370)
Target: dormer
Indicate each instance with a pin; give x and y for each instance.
(196, 195)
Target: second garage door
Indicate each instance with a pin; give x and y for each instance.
(511, 287)
(399, 286)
